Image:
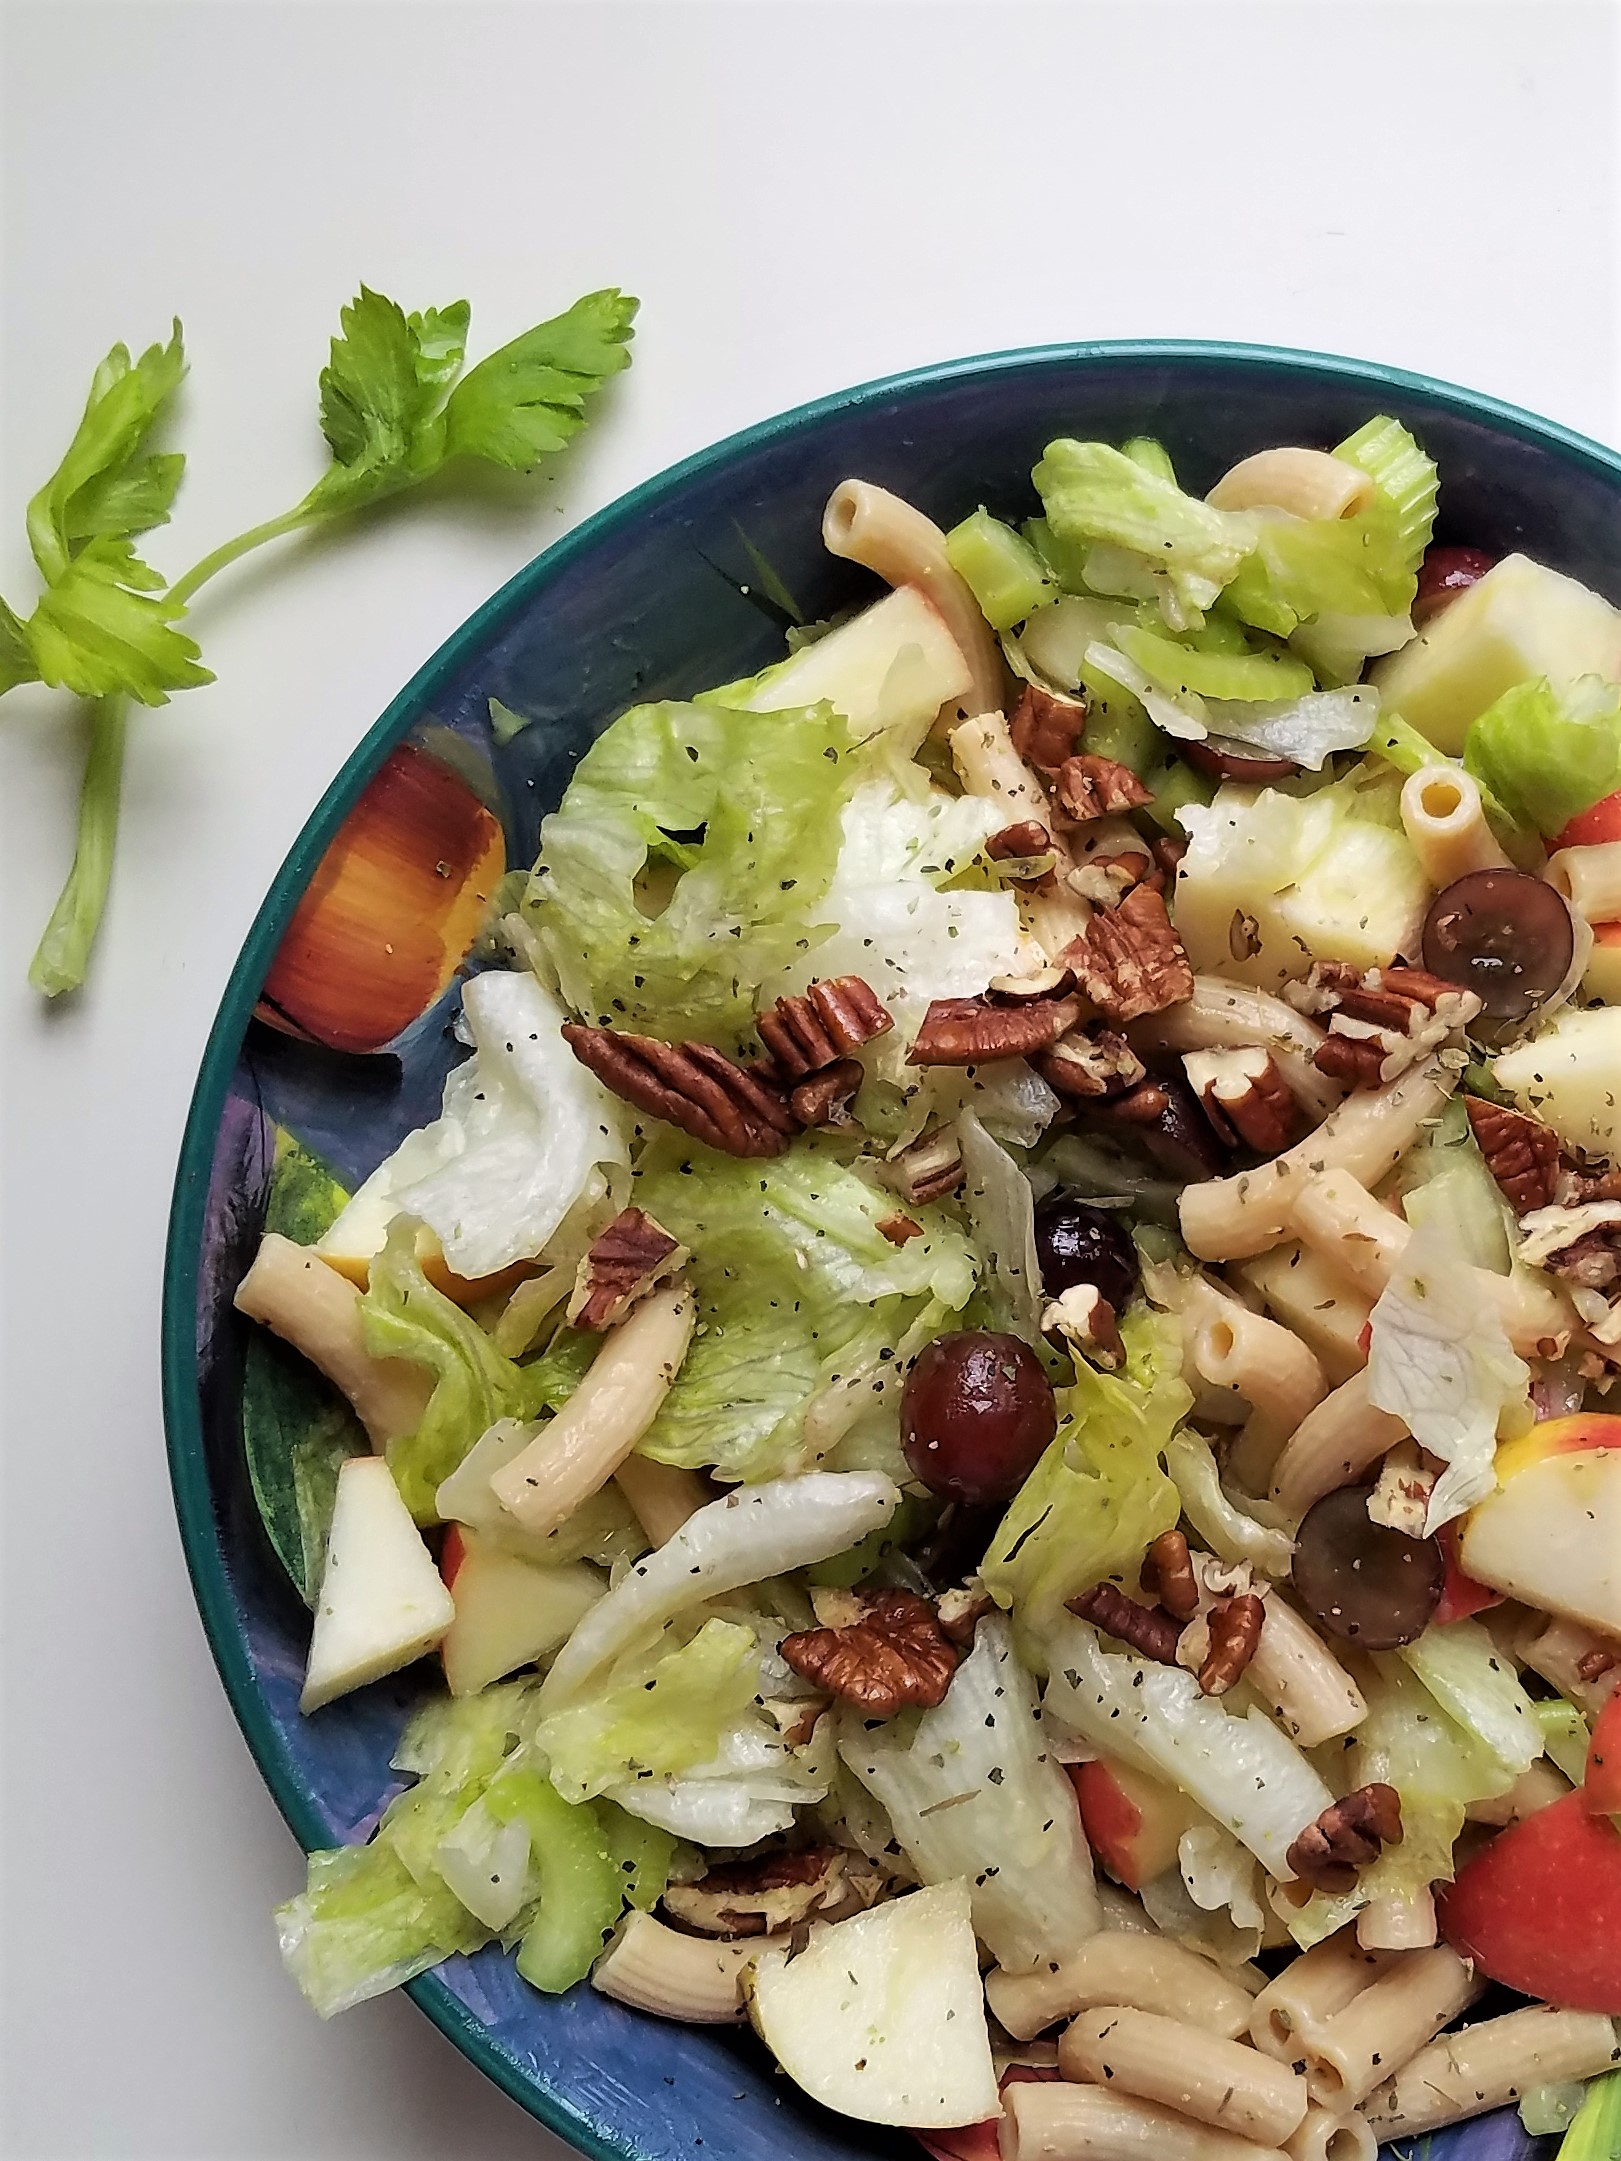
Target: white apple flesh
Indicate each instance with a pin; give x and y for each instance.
(1552, 1537)
(382, 1603)
(508, 1611)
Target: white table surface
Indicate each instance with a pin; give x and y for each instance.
(804, 196)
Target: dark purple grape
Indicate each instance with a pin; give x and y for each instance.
(976, 1413)
(1443, 575)
(1078, 1244)
(1366, 1584)
(1502, 934)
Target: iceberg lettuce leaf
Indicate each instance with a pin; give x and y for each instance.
(652, 1716)
(1546, 754)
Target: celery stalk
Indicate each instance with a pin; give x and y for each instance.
(643, 1854)
(1175, 786)
(1596, 2133)
(1152, 456)
(1117, 727)
(1383, 449)
(1000, 568)
(1564, 1736)
(581, 1884)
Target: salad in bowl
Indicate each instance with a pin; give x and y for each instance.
(990, 1387)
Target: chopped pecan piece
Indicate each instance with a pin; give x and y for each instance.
(1025, 854)
(1084, 1318)
(1168, 1575)
(974, 1031)
(1129, 960)
(1400, 1499)
(893, 1653)
(622, 1264)
(960, 1613)
(824, 1098)
(898, 1229)
(1577, 1184)
(1028, 989)
(928, 1167)
(1245, 1097)
(1090, 1064)
(1345, 1838)
(1045, 726)
(1148, 1629)
(1168, 852)
(1380, 1020)
(1582, 1244)
(691, 1085)
(1521, 1153)
(825, 1022)
(1089, 787)
(1105, 880)
(1594, 1664)
(1235, 1630)
(772, 1892)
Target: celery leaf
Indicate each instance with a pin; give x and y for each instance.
(527, 401)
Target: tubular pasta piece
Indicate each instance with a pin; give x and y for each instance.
(1310, 1990)
(1262, 1361)
(1310, 483)
(1386, 2024)
(1446, 823)
(868, 525)
(1333, 1446)
(1464, 2074)
(661, 1496)
(1323, 2136)
(1232, 1218)
(309, 1305)
(1145, 1971)
(1295, 1672)
(1590, 879)
(1398, 1924)
(1056, 2121)
(1218, 2082)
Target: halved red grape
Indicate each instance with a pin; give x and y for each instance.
(976, 1413)
(1366, 1584)
(1443, 575)
(1504, 935)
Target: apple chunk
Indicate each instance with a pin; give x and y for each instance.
(509, 1611)
(1133, 1823)
(382, 1603)
(882, 2016)
(1567, 1077)
(1552, 1535)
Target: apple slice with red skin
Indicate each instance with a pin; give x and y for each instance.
(1540, 1908)
(1601, 1783)
(1132, 1823)
(1592, 827)
(1461, 1595)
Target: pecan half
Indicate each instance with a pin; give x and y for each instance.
(690, 1085)
(977, 1031)
(1245, 1097)
(1148, 1629)
(1091, 1063)
(1380, 1020)
(1089, 786)
(893, 1653)
(928, 1167)
(1030, 989)
(1168, 1575)
(1235, 1631)
(1045, 726)
(1345, 1838)
(825, 1022)
(1026, 853)
(1129, 960)
(1521, 1153)
(1084, 1318)
(622, 1264)
(824, 1098)
(771, 1892)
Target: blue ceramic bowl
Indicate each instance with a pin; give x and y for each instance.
(655, 597)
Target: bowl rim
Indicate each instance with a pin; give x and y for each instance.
(194, 1509)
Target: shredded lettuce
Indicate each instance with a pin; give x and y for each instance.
(1596, 2133)
(526, 1131)
(1093, 492)
(796, 1286)
(1446, 1176)
(1565, 1738)
(972, 1792)
(363, 1925)
(1546, 754)
(1240, 1767)
(761, 1531)
(1001, 1210)
(1231, 1534)
(1439, 1768)
(1100, 1493)
(652, 1716)
(1477, 1686)
(685, 861)
(403, 1316)
(1444, 1366)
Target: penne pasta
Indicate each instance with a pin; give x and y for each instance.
(1323, 2136)
(1311, 1990)
(1232, 1016)
(1221, 2083)
(1387, 2023)
(661, 1496)
(1343, 1437)
(1232, 1218)
(309, 1305)
(1295, 1673)
(1398, 1924)
(1057, 2121)
(1262, 1361)
(1446, 822)
(1590, 879)
(867, 525)
(1149, 1973)
(1490, 2064)
(1308, 483)
(1319, 1300)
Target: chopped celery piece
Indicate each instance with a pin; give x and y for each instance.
(1063, 560)
(581, 1883)
(1117, 727)
(1218, 633)
(1001, 569)
(1178, 669)
(1152, 456)
(1175, 786)
(1302, 568)
(1596, 2133)
(1383, 449)
(644, 1854)
(1564, 1736)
